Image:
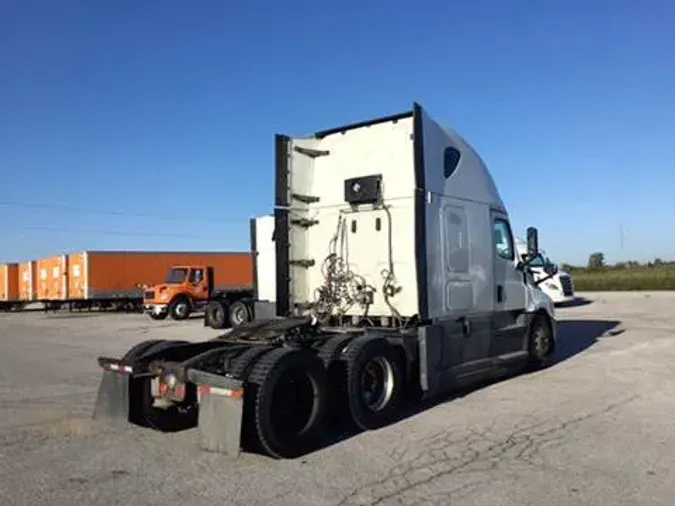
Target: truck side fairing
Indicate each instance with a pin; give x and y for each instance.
(460, 194)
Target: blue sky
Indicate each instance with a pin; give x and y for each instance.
(168, 109)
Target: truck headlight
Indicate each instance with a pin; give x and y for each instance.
(164, 296)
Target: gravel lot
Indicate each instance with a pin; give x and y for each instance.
(595, 428)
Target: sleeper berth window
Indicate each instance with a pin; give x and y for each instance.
(451, 158)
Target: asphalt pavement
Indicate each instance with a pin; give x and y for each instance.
(594, 428)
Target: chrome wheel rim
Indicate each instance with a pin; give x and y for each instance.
(541, 340)
(377, 383)
(240, 315)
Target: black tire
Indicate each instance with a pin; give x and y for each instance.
(242, 365)
(158, 316)
(367, 357)
(284, 415)
(180, 308)
(140, 348)
(330, 350)
(141, 410)
(240, 313)
(216, 315)
(163, 344)
(540, 342)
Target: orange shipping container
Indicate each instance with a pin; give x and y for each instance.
(27, 281)
(108, 274)
(9, 282)
(52, 278)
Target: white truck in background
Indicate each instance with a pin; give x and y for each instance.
(559, 286)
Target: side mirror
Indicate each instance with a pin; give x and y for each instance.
(532, 242)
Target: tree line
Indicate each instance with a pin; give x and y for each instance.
(596, 262)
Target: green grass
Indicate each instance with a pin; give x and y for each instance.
(628, 278)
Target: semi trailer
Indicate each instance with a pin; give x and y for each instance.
(397, 279)
(9, 287)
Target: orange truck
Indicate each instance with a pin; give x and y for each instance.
(191, 287)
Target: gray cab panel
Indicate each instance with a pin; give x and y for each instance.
(474, 297)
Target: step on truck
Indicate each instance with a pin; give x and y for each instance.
(397, 279)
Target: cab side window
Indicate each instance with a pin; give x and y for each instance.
(196, 276)
(503, 239)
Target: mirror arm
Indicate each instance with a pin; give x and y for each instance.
(544, 279)
(522, 264)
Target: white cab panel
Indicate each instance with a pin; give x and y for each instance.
(360, 237)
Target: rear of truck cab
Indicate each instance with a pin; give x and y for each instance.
(392, 235)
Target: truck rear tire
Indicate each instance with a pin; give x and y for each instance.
(216, 315)
(242, 366)
(288, 402)
(374, 381)
(240, 313)
(139, 349)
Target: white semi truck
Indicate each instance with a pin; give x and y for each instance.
(397, 278)
(554, 282)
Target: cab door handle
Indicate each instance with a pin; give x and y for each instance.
(466, 325)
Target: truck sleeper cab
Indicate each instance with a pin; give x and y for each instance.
(397, 278)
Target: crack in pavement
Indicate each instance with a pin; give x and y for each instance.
(473, 452)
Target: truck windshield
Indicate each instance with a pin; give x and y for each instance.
(176, 276)
(540, 261)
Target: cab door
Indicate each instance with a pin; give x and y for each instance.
(508, 322)
(198, 283)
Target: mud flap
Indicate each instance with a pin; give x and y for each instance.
(221, 402)
(112, 402)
